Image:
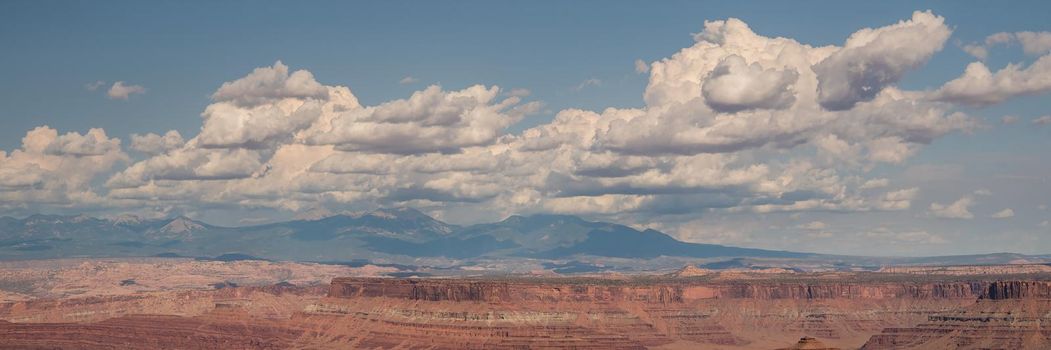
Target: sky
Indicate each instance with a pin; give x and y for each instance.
(889, 128)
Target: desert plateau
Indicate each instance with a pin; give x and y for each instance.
(516, 175)
(172, 303)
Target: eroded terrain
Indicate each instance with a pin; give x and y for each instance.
(193, 304)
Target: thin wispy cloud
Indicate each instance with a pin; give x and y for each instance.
(590, 82)
(408, 80)
(121, 91)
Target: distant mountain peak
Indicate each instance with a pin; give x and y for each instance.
(690, 271)
(182, 224)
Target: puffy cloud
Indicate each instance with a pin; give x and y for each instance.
(191, 164)
(54, 169)
(151, 143)
(1003, 214)
(93, 143)
(980, 87)
(735, 85)
(267, 84)
(122, 92)
(1044, 120)
(960, 209)
(734, 123)
(872, 59)
(431, 120)
(1035, 43)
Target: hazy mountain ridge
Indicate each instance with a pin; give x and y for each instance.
(397, 232)
(400, 234)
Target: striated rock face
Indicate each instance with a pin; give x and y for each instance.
(659, 292)
(474, 313)
(1008, 315)
(553, 313)
(1001, 290)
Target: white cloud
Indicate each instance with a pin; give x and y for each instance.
(54, 169)
(734, 123)
(1044, 120)
(1035, 43)
(122, 92)
(872, 59)
(408, 79)
(151, 143)
(735, 85)
(431, 120)
(959, 209)
(641, 66)
(980, 87)
(978, 51)
(1003, 214)
(875, 183)
(272, 83)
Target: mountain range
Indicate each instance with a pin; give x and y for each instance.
(383, 233)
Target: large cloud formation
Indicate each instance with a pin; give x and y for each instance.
(736, 122)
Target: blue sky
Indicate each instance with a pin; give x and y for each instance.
(181, 52)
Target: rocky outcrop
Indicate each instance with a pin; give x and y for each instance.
(1008, 315)
(1002, 290)
(809, 343)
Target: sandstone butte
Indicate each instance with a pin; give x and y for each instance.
(851, 311)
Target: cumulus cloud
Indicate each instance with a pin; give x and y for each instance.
(735, 85)
(431, 120)
(960, 209)
(151, 143)
(872, 59)
(1003, 214)
(57, 169)
(733, 123)
(268, 84)
(119, 91)
(1044, 120)
(978, 86)
(1035, 43)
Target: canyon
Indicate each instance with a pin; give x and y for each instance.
(690, 309)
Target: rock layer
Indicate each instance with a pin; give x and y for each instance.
(843, 311)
